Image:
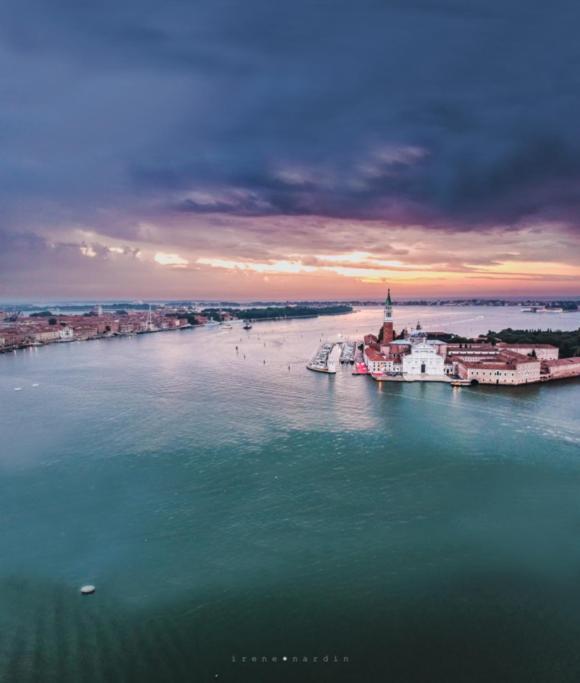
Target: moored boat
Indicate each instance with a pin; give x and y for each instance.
(327, 369)
(321, 361)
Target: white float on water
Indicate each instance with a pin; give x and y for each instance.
(87, 590)
(17, 388)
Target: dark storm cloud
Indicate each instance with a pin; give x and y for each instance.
(260, 108)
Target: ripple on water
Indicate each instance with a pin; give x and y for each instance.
(207, 495)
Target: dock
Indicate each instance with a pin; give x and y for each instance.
(399, 377)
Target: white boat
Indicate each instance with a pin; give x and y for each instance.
(542, 309)
(329, 369)
(247, 325)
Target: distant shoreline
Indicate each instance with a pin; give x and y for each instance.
(571, 305)
(48, 336)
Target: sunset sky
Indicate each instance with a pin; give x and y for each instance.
(262, 149)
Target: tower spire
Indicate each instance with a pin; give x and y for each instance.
(388, 307)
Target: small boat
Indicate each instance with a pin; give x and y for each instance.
(543, 309)
(247, 325)
(329, 369)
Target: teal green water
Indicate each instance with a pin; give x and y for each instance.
(226, 507)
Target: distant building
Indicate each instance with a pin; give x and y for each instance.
(503, 367)
(45, 336)
(67, 333)
(561, 368)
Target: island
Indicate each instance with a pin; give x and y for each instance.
(509, 357)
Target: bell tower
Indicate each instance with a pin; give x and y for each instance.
(388, 308)
(388, 332)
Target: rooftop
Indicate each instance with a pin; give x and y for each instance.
(562, 361)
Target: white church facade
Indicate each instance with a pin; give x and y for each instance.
(424, 359)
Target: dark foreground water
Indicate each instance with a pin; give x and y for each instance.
(226, 507)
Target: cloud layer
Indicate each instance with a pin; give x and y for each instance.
(263, 132)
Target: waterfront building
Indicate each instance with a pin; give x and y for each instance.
(503, 367)
(66, 333)
(45, 336)
(561, 368)
(378, 362)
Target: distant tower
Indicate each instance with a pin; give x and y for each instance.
(418, 336)
(388, 308)
(388, 332)
(150, 326)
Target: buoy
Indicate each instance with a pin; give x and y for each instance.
(88, 590)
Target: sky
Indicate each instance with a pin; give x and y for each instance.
(251, 149)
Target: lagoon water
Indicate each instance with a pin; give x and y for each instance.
(226, 505)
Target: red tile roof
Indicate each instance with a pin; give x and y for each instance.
(373, 354)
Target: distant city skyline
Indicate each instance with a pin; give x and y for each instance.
(36, 302)
(289, 151)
